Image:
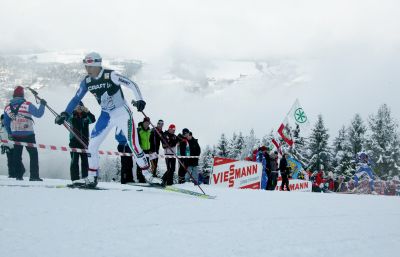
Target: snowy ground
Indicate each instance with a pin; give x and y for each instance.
(37, 221)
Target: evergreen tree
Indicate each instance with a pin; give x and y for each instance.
(232, 146)
(251, 142)
(356, 133)
(206, 160)
(343, 158)
(239, 145)
(299, 150)
(222, 148)
(383, 143)
(236, 145)
(319, 152)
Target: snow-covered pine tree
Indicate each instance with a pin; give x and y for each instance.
(343, 158)
(356, 135)
(232, 146)
(239, 145)
(222, 147)
(251, 142)
(236, 145)
(383, 143)
(299, 150)
(206, 160)
(318, 147)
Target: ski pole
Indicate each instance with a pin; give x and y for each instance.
(66, 124)
(170, 148)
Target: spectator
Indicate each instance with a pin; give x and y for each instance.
(272, 180)
(283, 167)
(7, 148)
(268, 166)
(318, 183)
(80, 120)
(170, 149)
(330, 181)
(144, 142)
(261, 159)
(184, 150)
(155, 142)
(126, 161)
(19, 124)
(193, 163)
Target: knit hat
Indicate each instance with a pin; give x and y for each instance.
(184, 131)
(172, 126)
(18, 91)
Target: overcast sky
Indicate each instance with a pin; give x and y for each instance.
(337, 57)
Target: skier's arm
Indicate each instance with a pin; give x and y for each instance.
(77, 98)
(121, 80)
(37, 112)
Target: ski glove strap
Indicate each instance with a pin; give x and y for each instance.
(61, 118)
(140, 105)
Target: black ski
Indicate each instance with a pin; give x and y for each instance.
(173, 189)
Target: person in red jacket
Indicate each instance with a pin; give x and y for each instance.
(318, 181)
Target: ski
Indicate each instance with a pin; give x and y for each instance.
(70, 186)
(173, 189)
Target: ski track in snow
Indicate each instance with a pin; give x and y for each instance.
(38, 221)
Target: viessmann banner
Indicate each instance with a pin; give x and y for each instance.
(236, 174)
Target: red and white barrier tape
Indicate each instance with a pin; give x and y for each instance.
(78, 150)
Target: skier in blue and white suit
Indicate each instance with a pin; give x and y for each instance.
(105, 85)
(364, 168)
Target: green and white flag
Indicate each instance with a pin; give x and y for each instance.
(296, 119)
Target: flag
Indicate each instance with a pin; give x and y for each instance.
(295, 120)
(295, 166)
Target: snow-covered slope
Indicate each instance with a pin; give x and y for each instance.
(37, 221)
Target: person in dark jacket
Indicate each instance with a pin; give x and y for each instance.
(183, 150)
(80, 120)
(126, 161)
(172, 140)
(283, 167)
(268, 168)
(274, 171)
(193, 163)
(155, 143)
(19, 124)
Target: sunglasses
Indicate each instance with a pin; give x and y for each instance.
(90, 61)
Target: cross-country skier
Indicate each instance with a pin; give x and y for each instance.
(364, 168)
(105, 85)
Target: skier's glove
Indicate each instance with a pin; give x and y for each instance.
(140, 105)
(61, 118)
(43, 102)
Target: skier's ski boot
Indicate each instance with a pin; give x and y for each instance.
(91, 181)
(150, 178)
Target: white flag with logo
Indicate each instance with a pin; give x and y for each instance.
(295, 120)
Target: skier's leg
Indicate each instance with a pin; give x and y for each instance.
(84, 165)
(99, 133)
